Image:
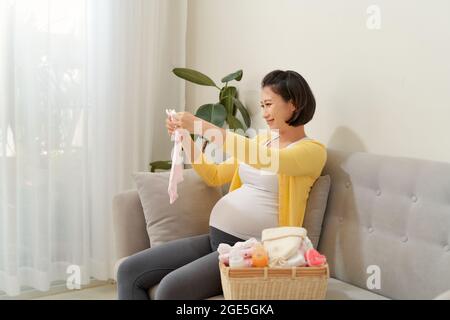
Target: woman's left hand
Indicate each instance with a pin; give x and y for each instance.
(186, 120)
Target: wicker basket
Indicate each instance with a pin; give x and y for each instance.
(297, 283)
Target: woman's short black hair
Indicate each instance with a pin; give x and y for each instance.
(291, 86)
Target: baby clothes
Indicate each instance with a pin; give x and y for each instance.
(240, 253)
(290, 247)
(176, 171)
(282, 244)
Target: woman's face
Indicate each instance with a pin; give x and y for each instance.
(276, 111)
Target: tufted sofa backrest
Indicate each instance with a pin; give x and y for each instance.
(388, 213)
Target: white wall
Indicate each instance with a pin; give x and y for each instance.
(383, 91)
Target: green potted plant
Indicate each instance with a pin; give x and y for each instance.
(219, 113)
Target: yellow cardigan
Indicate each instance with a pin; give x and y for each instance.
(298, 168)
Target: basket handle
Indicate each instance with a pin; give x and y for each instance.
(266, 273)
(293, 272)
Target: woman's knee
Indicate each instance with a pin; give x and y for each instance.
(176, 286)
(197, 280)
(172, 287)
(125, 271)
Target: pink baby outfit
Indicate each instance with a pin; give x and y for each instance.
(176, 171)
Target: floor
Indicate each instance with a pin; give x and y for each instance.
(102, 292)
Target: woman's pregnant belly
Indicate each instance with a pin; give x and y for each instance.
(245, 212)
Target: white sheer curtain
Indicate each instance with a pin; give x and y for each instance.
(83, 84)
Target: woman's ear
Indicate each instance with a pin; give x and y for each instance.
(291, 106)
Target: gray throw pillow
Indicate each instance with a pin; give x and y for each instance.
(315, 208)
(187, 216)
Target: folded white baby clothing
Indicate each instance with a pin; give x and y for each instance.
(306, 245)
(176, 171)
(298, 260)
(282, 244)
(245, 244)
(242, 245)
(224, 248)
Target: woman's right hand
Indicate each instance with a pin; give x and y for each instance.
(171, 126)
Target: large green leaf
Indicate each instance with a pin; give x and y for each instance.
(243, 112)
(226, 98)
(233, 76)
(234, 123)
(214, 113)
(194, 76)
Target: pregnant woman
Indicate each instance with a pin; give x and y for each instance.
(260, 195)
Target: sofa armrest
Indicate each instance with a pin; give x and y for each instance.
(130, 233)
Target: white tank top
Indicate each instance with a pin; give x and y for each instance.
(246, 211)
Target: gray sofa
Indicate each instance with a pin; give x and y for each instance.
(386, 229)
